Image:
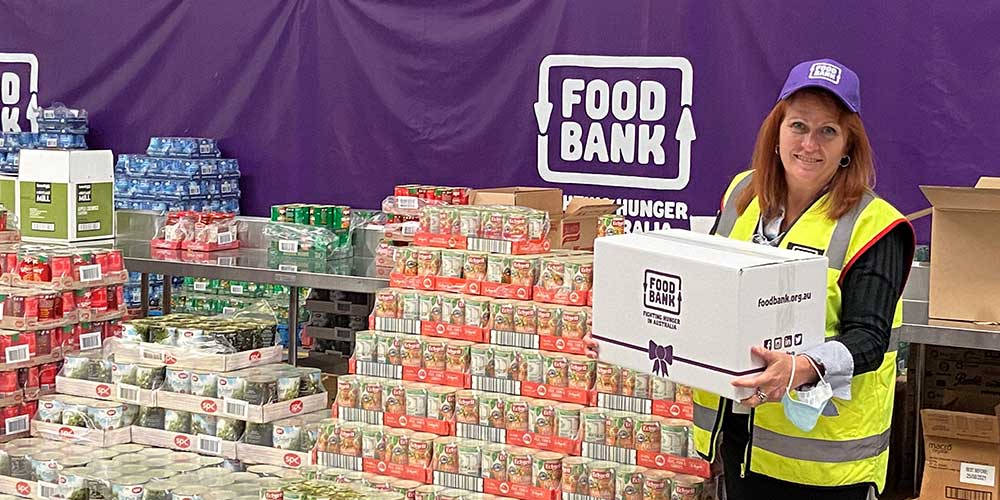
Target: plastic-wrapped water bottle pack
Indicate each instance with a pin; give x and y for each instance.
(61, 127)
(11, 144)
(178, 173)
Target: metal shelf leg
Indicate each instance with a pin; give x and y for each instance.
(293, 325)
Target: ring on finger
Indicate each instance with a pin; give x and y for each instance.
(761, 396)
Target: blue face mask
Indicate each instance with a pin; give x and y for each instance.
(805, 411)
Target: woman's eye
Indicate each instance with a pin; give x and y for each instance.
(829, 131)
(798, 125)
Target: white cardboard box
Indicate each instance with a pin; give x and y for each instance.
(693, 305)
(66, 196)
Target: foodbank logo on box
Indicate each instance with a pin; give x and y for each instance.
(662, 292)
(661, 299)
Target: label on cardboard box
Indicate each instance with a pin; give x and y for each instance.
(691, 306)
(978, 474)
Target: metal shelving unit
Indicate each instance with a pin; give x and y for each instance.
(354, 274)
(920, 335)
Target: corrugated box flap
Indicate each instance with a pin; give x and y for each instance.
(960, 425)
(988, 182)
(580, 206)
(973, 199)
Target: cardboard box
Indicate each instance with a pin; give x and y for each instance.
(690, 306)
(961, 454)
(240, 409)
(578, 228)
(547, 199)
(81, 435)
(573, 228)
(965, 260)
(253, 454)
(18, 487)
(109, 392)
(66, 196)
(206, 445)
(131, 352)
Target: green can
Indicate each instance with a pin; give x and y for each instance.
(203, 424)
(287, 386)
(310, 381)
(261, 389)
(302, 214)
(229, 429)
(176, 421)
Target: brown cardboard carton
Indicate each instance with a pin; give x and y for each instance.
(961, 454)
(578, 227)
(965, 256)
(548, 199)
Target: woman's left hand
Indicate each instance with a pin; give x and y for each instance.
(774, 380)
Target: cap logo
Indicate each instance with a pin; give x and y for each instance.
(825, 71)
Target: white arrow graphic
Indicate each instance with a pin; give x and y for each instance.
(32, 61)
(685, 133)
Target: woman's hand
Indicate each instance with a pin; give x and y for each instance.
(771, 384)
(592, 346)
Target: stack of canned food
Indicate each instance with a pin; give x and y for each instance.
(203, 334)
(134, 472)
(85, 412)
(570, 271)
(480, 360)
(444, 194)
(312, 242)
(61, 267)
(498, 222)
(334, 217)
(258, 385)
(232, 287)
(467, 457)
(17, 381)
(299, 433)
(610, 481)
(521, 316)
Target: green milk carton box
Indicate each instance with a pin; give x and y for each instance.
(66, 196)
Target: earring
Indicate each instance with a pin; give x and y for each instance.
(845, 161)
(776, 150)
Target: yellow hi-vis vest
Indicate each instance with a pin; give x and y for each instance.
(847, 449)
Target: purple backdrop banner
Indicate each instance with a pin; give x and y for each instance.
(655, 103)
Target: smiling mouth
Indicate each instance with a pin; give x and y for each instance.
(804, 159)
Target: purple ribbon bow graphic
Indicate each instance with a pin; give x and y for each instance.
(661, 356)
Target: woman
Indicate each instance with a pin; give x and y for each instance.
(809, 189)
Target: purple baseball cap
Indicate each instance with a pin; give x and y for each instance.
(827, 74)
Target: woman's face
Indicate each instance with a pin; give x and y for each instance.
(811, 142)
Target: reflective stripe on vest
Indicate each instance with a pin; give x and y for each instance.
(841, 239)
(727, 219)
(819, 450)
(839, 243)
(705, 418)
